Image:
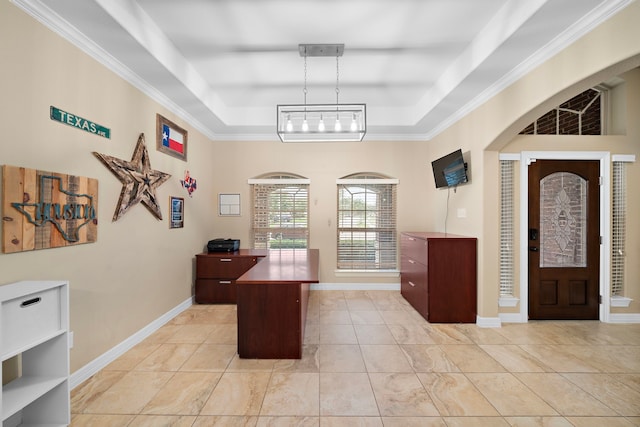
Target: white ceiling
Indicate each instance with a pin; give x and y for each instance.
(224, 65)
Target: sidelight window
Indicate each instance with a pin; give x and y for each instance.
(618, 229)
(507, 240)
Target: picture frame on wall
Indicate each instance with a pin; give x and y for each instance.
(176, 212)
(171, 139)
(229, 204)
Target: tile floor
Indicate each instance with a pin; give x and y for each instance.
(371, 360)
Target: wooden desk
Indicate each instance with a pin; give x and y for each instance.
(272, 302)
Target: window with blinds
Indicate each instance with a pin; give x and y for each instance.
(618, 228)
(506, 228)
(367, 222)
(280, 212)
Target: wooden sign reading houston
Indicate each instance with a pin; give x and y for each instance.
(47, 210)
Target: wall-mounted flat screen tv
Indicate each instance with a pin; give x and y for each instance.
(450, 170)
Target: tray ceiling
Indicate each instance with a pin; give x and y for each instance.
(224, 65)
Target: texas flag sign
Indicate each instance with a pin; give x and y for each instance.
(172, 139)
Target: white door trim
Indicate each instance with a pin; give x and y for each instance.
(526, 158)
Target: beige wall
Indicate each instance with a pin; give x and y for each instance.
(323, 164)
(139, 269)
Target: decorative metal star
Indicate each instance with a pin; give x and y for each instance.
(138, 179)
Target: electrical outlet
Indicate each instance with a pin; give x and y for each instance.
(462, 213)
(70, 339)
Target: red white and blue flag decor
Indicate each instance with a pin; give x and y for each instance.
(189, 183)
(172, 139)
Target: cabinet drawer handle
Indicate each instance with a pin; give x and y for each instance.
(30, 302)
(411, 283)
(225, 259)
(411, 261)
(412, 239)
(224, 282)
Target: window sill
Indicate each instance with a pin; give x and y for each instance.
(367, 273)
(620, 301)
(508, 301)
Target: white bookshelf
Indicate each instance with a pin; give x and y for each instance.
(34, 326)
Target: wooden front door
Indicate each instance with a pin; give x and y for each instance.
(564, 239)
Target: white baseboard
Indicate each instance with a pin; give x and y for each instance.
(624, 318)
(91, 368)
(488, 322)
(355, 286)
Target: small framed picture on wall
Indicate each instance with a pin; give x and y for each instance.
(229, 204)
(171, 139)
(176, 208)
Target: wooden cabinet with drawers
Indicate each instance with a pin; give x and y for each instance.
(438, 276)
(216, 274)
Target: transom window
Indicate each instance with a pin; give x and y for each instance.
(280, 211)
(581, 115)
(367, 222)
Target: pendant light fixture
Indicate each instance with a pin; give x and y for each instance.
(321, 122)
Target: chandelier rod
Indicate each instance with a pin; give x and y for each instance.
(305, 76)
(337, 76)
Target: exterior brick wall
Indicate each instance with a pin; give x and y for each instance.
(547, 123)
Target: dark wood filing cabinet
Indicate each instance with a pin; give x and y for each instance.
(216, 274)
(438, 276)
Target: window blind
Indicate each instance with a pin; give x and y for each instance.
(506, 228)
(367, 235)
(618, 231)
(280, 212)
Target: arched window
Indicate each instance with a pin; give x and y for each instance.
(367, 222)
(280, 211)
(581, 115)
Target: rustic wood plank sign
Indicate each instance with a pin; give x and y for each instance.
(42, 209)
(139, 181)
